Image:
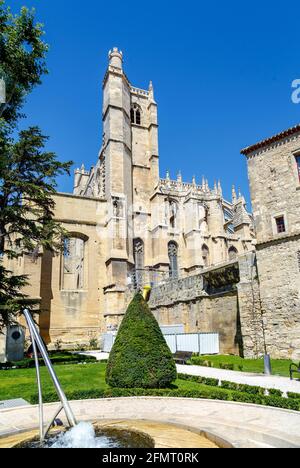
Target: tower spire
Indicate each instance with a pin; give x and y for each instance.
(234, 197)
(116, 58)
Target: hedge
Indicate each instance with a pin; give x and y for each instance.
(240, 397)
(201, 380)
(293, 396)
(57, 360)
(252, 390)
(140, 356)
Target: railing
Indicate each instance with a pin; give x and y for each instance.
(38, 345)
(139, 91)
(200, 343)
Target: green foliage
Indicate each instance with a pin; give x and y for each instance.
(22, 59)
(279, 366)
(209, 394)
(27, 172)
(294, 396)
(274, 392)
(226, 366)
(243, 388)
(140, 356)
(201, 380)
(56, 359)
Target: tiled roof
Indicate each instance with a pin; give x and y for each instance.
(269, 141)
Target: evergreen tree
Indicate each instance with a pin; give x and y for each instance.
(27, 172)
(140, 357)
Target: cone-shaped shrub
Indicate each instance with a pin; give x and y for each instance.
(140, 357)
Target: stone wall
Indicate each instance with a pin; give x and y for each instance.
(275, 193)
(278, 267)
(250, 312)
(207, 302)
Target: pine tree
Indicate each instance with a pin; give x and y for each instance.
(27, 172)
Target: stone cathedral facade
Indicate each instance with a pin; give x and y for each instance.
(127, 225)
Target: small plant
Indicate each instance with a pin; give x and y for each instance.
(241, 368)
(93, 343)
(274, 392)
(58, 345)
(293, 396)
(226, 366)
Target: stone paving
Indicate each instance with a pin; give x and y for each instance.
(281, 383)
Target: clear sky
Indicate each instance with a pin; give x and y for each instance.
(222, 74)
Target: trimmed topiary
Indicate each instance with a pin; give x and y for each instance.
(140, 356)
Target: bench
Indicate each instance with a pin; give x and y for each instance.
(294, 369)
(181, 357)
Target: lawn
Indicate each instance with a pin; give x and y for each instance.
(22, 383)
(279, 366)
(81, 381)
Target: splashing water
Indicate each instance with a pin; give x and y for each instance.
(82, 436)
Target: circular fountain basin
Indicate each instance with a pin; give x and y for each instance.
(120, 434)
(170, 422)
(86, 435)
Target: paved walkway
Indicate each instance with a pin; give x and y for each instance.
(281, 383)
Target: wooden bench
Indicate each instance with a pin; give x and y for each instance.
(294, 369)
(181, 357)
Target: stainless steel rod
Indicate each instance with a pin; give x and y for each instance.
(38, 379)
(57, 412)
(69, 414)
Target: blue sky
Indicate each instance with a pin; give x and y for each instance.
(222, 73)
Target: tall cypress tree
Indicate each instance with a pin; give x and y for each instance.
(27, 172)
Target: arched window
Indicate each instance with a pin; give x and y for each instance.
(136, 115)
(232, 253)
(73, 273)
(139, 259)
(173, 257)
(205, 255)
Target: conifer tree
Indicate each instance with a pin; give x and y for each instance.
(140, 357)
(27, 171)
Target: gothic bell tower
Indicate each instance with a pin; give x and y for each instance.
(117, 147)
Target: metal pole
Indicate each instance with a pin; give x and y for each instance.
(53, 420)
(267, 364)
(38, 379)
(60, 392)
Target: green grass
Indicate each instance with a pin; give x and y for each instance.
(88, 381)
(279, 366)
(22, 383)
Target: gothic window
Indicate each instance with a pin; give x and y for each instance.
(205, 255)
(135, 115)
(298, 164)
(173, 257)
(232, 253)
(132, 115)
(98, 184)
(139, 255)
(173, 212)
(280, 224)
(73, 264)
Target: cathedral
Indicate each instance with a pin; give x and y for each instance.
(128, 226)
